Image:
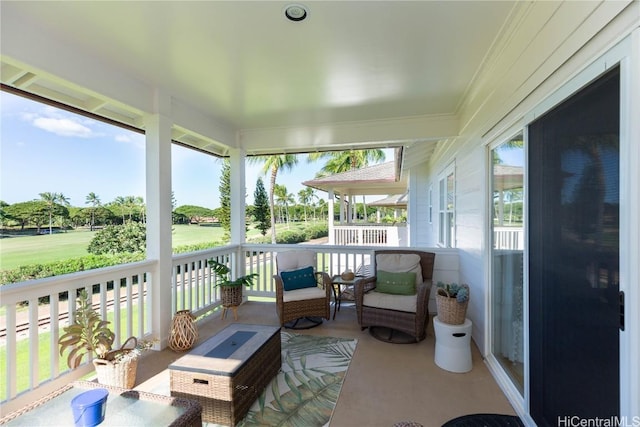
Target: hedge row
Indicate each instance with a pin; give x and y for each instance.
(89, 262)
(57, 268)
(296, 236)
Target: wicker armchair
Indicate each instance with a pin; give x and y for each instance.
(374, 309)
(308, 303)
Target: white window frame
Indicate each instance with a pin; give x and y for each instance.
(447, 211)
(430, 203)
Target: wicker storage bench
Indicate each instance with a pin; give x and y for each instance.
(227, 373)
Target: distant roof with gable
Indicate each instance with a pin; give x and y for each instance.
(393, 201)
(507, 177)
(383, 178)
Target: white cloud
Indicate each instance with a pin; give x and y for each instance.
(62, 127)
(27, 116)
(136, 140)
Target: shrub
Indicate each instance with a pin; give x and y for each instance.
(112, 239)
(316, 231)
(58, 268)
(290, 236)
(196, 247)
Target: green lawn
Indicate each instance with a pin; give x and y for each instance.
(23, 250)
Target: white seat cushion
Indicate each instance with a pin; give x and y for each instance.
(303, 294)
(406, 303)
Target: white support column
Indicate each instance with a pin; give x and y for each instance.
(238, 202)
(412, 207)
(158, 181)
(332, 238)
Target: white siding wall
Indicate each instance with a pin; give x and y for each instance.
(546, 45)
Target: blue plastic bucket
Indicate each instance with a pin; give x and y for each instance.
(89, 407)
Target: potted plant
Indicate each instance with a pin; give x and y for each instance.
(90, 335)
(452, 301)
(230, 290)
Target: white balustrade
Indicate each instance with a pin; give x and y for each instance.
(33, 313)
(511, 238)
(370, 235)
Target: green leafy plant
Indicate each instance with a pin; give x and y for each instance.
(128, 237)
(454, 290)
(223, 275)
(89, 334)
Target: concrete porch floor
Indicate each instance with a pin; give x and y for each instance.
(385, 384)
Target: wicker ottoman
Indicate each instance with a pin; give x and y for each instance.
(227, 373)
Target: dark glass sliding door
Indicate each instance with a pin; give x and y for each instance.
(574, 256)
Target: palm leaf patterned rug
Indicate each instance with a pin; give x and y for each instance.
(306, 389)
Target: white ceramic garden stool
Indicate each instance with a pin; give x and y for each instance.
(453, 345)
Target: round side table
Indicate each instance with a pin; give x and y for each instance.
(453, 346)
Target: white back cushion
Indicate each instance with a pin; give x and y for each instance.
(400, 263)
(295, 260)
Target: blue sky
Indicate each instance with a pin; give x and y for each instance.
(45, 149)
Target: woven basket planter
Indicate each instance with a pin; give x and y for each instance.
(231, 296)
(118, 369)
(450, 311)
(183, 334)
(117, 374)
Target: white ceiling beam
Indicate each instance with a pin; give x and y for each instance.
(335, 136)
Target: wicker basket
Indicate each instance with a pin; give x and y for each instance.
(231, 296)
(348, 275)
(183, 334)
(118, 372)
(450, 311)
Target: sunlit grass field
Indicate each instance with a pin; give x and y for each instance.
(23, 250)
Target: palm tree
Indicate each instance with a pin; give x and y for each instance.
(130, 202)
(305, 196)
(52, 199)
(344, 161)
(139, 203)
(280, 194)
(121, 202)
(94, 201)
(273, 164)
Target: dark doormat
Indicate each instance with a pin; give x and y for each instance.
(393, 336)
(485, 420)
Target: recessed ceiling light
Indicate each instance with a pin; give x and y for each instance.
(296, 12)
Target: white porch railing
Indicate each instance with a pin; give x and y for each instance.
(192, 286)
(370, 235)
(29, 353)
(510, 238)
(33, 313)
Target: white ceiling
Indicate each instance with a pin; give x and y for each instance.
(244, 64)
